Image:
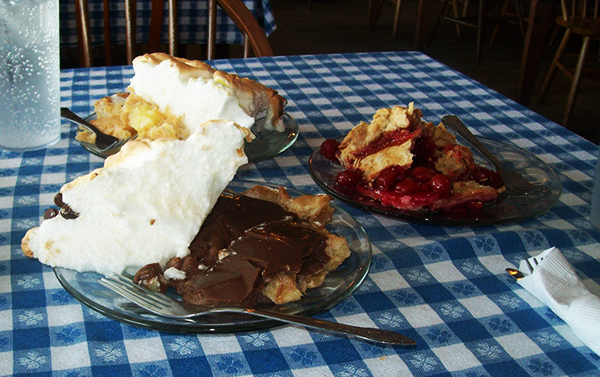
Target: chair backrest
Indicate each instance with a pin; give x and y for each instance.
(581, 17)
(255, 39)
(579, 9)
(254, 36)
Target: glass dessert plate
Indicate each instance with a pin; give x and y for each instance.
(338, 285)
(267, 144)
(506, 208)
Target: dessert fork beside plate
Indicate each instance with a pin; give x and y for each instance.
(514, 183)
(165, 306)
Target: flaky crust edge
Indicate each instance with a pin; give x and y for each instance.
(314, 208)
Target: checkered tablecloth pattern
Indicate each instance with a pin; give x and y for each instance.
(192, 22)
(443, 286)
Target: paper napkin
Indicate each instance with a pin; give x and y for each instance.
(554, 282)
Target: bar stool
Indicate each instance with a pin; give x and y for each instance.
(582, 19)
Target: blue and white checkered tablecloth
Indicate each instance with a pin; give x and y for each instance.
(192, 18)
(443, 286)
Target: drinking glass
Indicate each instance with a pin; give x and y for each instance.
(29, 74)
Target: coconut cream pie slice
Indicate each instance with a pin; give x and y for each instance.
(171, 97)
(400, 161)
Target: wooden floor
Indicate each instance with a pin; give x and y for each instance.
(341, 26)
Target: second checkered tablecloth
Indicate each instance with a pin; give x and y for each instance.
(192, 22)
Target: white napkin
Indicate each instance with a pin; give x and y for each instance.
(555, 282)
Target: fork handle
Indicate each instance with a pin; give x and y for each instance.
(373, 334)
(68, 114)
(456, 124)
(102, 140)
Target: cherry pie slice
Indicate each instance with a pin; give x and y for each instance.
(400, 161)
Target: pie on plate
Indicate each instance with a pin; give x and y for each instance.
(337, 285)
(404, 167)
(171, 97)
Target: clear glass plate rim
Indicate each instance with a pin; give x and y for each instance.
(292, 132)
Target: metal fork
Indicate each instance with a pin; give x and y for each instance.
(104, 143)
(514, 183)
(165, 306)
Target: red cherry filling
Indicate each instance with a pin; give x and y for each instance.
(407, 186)
(422, 174)
(347, 181)
(396, 137)
(419, 185)
(441, 185)
(475, 205)
(329, 149)
(392, 188)
(424, 151)
(387, 178)
(414, 201)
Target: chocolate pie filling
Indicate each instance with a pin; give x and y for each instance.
(243, 244)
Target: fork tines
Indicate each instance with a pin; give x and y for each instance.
(133, 292)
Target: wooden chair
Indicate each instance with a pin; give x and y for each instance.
(375, 7)
(517, 13)
(580, 17)
(423, 9)
(479, 22)
(255, 39)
